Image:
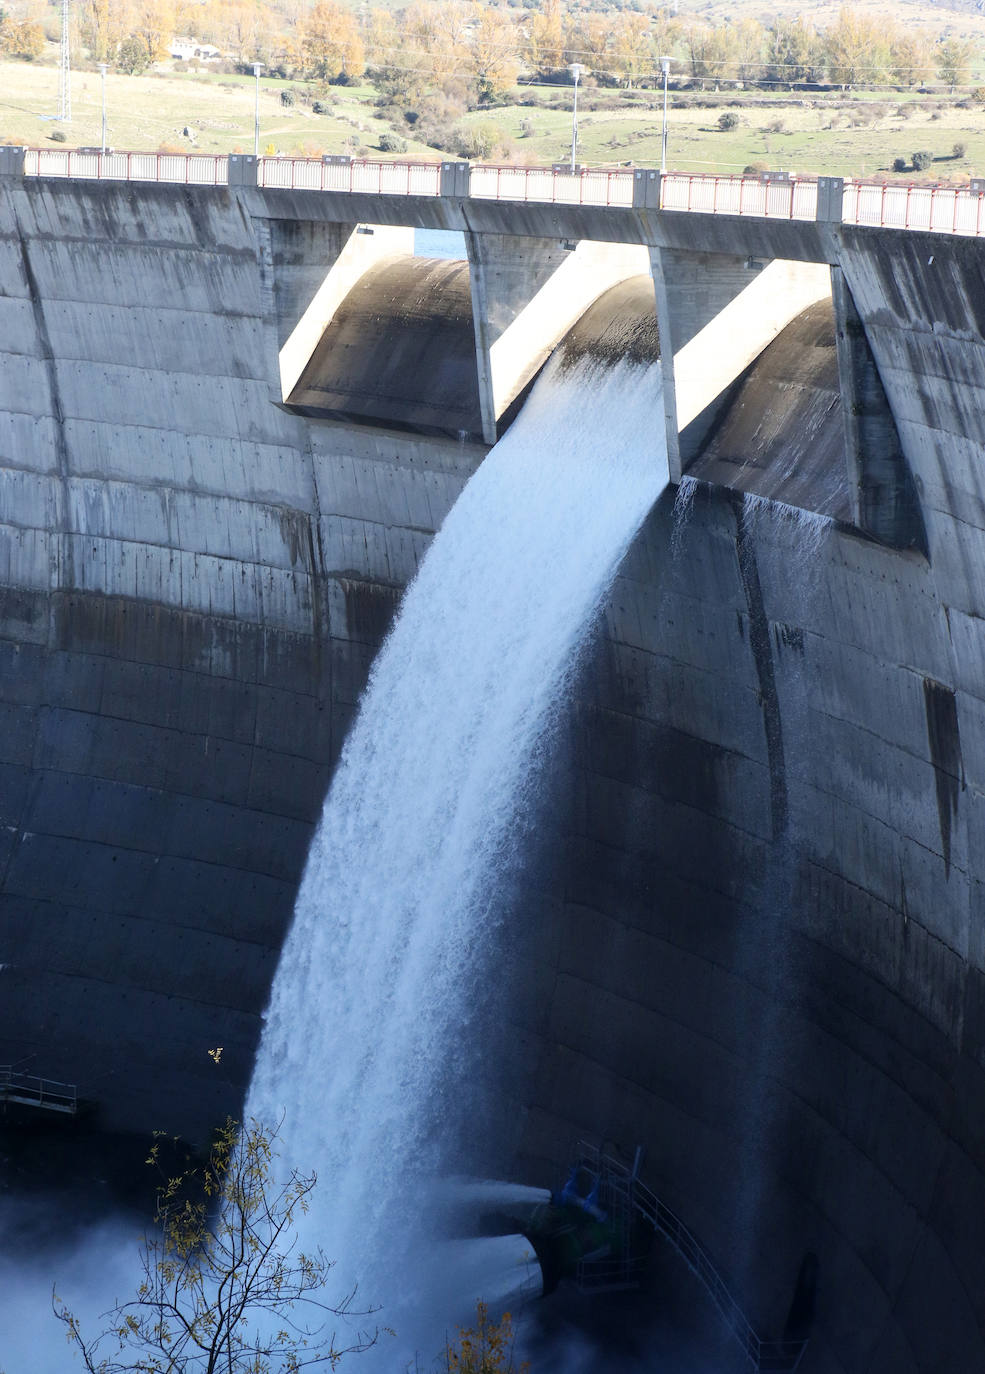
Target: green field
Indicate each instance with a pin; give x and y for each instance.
(857, 135)
(858, 138)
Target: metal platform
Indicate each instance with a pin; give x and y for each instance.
(26, 1090)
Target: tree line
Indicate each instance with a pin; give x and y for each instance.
(431, 45)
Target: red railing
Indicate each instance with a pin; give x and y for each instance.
(197, 169)
(729, 195)
(351, 174)
(590, 186)
(940, 209)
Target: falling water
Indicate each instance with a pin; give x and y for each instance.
(683, 506)
(369, 1044)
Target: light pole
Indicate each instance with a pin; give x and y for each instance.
(576, 70)
(665, 68)
(257, 68)
(102, 76)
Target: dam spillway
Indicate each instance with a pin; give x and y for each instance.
(388, 993)
(195, 582)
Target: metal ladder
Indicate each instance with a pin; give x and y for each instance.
(626, 1199)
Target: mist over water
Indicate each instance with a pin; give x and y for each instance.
(97, 1266)
(370, 1057)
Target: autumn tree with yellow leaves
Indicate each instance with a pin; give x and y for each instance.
(223, 1287)
(486, 1348)
(327, 43)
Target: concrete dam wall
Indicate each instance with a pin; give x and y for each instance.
(758, 941)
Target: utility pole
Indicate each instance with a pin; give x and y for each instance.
(257, 68)
(576, 70)
(65, 67)
(665, 68)
(102, 71)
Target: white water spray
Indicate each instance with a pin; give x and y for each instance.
(366, 1050)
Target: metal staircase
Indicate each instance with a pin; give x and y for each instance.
(630, 1203)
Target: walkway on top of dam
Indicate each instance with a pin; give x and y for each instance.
(542, 199)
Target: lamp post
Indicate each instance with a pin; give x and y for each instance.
(576, 70)
(257, 68)
(102, 80)
(665, 68)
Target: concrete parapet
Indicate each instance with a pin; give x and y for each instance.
(456, 179)
(646, 189)
(830, 194)
(12, 161)
(242, 169)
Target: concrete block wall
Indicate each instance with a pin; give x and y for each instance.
(762, 948)
(788, 1017)
(192, 584)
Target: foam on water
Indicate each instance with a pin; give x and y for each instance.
(367, 1043)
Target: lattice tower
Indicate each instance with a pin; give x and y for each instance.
(65, 67)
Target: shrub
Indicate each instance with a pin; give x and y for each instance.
(959, 150)
(476, 140)
(922, 160)
(392, 143)
(58, 136)
(486, 1348)
(287, 97)
(754, 169)
(319, 107)
(900, 164)
(776, 126)
(728, 120)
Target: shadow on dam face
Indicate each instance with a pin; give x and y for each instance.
(400, 351)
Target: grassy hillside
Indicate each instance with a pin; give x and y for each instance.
(855, 134)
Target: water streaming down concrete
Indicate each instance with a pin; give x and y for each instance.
(367, 1052)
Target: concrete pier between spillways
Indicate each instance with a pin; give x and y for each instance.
(759, 942)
